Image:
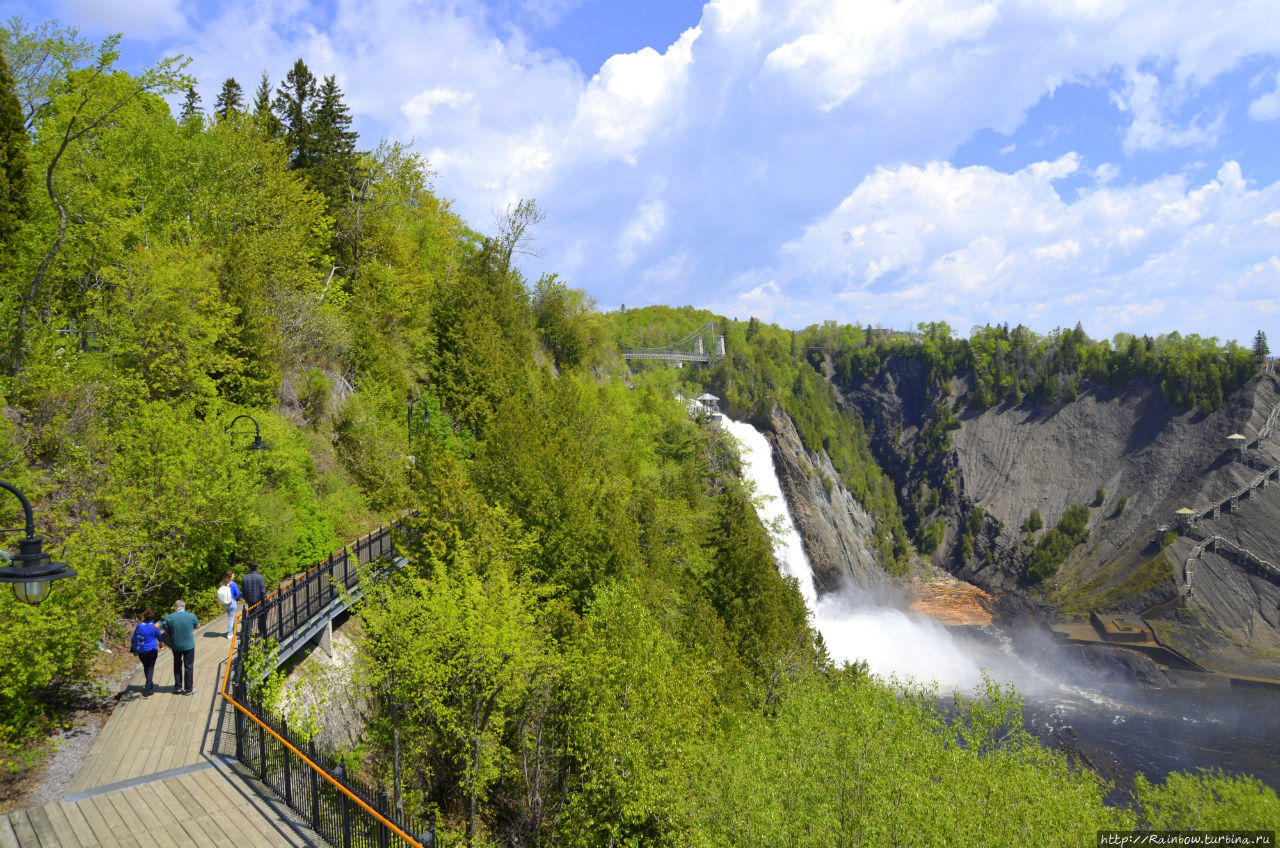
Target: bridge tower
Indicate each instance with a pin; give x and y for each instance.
(697, 346)
(720, 346)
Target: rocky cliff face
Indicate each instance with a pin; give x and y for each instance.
(1000, 464)
(836, 530)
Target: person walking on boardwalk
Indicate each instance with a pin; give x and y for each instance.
(146, 644)
(255, 592)
(229, 596)
(180, 626)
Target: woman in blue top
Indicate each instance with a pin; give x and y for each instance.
(229, 580)
(150, 647)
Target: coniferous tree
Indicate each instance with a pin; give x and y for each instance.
(190, 106)
(262, 110)
(334, 144)
(1260, 348)
(13, 162)
(230, 100)
(295, 107)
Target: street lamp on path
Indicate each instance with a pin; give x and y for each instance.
(31, 571)
(258, 444)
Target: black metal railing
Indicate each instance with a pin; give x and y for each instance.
(344, 810)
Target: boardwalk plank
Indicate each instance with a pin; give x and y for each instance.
(66, 835)
(246, 817)
(115, 825)
(174, 815)
(23, 830)
(124, 805)
(204, 830)
(81, 826)
(97, 824)
(151, 808)
(170, 808)
(8, 838)
(189, 803)
(43, 827)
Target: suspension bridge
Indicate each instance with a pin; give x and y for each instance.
(692, 348)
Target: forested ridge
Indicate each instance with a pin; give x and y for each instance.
(591, 644)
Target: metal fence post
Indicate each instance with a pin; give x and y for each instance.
(315, 786)
(346, 820)
(285, 761)
(383, 834)
(262, 749)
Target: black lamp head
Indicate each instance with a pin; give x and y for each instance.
(32, 570)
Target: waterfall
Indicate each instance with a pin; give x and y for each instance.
(893, 642)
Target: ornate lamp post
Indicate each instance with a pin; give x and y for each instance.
(258, 444)
(31, 571)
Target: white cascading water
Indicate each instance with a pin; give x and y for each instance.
(894, 643)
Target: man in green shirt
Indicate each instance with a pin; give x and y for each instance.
(180, 628)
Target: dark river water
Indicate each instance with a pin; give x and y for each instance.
(1121, 714)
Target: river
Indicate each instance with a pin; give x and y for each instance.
(1084, 701)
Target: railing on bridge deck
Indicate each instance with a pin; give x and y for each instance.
(664, 355)
(343, 809)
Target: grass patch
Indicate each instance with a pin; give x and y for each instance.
(1111, 585)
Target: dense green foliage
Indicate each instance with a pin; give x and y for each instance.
(1053, 547)
(591, 643)
(1010, 366)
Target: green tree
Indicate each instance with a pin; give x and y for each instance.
(1261, 350)
(636, 714)
(333, 167)
(1034, 521)
(191, 112)
(230, 100)
(263, 112)
(294, 107)
(14, 143)
(564, 319)
(41, 59)
(458, 651)
(86, 104)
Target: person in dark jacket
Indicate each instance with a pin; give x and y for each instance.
(255, 588)
(150, 648)
(255, 592)
(180, 626)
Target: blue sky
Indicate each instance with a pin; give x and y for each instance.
(1031, 161)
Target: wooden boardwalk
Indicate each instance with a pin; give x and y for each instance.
(154, 777)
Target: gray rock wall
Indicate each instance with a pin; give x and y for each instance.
(836, 530)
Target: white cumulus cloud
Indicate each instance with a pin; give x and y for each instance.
(980, 245)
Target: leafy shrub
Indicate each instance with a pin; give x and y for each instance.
(1034, 522)
(1057, 543)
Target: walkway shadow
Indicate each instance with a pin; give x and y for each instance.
(220, 748)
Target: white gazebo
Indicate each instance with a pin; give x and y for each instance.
(708, 404)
